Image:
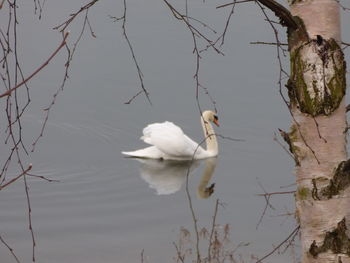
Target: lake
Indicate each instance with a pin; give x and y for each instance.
(108, 208)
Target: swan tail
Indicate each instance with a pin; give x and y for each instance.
(150, 152)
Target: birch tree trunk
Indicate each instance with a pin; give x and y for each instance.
(317, 137)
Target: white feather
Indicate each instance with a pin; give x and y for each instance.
(169, 142)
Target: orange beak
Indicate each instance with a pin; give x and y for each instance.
(216, 122)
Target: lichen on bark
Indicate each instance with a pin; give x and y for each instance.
(339, 182)
(297, 36)
(337, 241)
(317, 82)
(288, 138)
(302, 193)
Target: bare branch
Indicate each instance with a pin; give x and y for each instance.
(43, 177)
(222, 37)
(133, 97)
(16, 178)
(62, 27)
(281, 12)
(290, 237)
(267, 204)
(48, 109)
(346, 45)
(8, 92)
(196, 36)
(70, 55)
(268, 43)
(40, 6)
(26, 188)
(236, 2)
(281, 73)
(140, 75)
(287, 140)
(277, 193)
(179, 256)
(342, 6)
(10, 249)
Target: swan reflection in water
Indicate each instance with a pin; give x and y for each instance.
(167, 176)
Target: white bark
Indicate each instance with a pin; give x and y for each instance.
(321, 17)
(319, 143)
(316, 217)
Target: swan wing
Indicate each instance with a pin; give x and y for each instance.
(170, 139)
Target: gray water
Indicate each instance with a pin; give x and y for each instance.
(108, 208)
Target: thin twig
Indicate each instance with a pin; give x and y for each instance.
(133, 97)
(283, 147)
(291, 235)
(179, 256)
(343, 6)
(62, 27)
(8, 92)
(139, 73)
(285, 16)
(10, 249)
(237, 2)
(30, 217)
(196, 35)
(268, 43)
(222, 36)
(48, 109)
(282, 71)
(70, 54)
(43, 178)
(267, 204)
(276, 193)
(16, 178)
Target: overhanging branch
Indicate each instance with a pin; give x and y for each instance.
(281, 12)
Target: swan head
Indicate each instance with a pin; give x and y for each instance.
(211, 116)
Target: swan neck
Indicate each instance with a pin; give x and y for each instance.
(210, 137)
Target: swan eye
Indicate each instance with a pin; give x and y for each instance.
(216, 117)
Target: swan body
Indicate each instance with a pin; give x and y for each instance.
(170, 143)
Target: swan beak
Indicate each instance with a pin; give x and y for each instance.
(216, 122)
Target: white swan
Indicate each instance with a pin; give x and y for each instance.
(170, 143)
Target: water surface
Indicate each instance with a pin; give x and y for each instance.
(107, 208)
